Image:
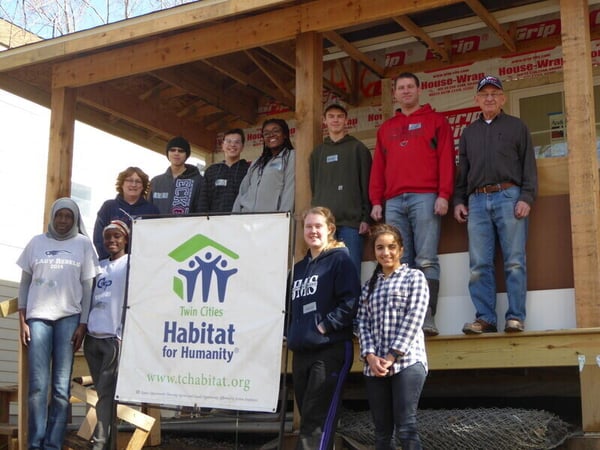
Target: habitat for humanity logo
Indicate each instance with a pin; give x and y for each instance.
(203, 258)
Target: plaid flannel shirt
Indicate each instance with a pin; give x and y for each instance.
(392, 317)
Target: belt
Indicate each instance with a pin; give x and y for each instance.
(491, 188)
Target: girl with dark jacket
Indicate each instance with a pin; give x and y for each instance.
(325, 294)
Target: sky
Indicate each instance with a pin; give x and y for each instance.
(97, 160)
(83, 14)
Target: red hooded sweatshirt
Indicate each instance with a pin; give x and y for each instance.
(413, 154)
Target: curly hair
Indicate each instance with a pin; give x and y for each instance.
(127, 173)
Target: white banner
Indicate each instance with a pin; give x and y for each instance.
(205, 316)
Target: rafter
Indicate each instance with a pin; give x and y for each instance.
(142, 113)
(491, 22)
(249, 32)
(242, 105)
(263, 65)
(354, 53)
(418, 32)
(481, 55)
(290, 61)
(231, 70)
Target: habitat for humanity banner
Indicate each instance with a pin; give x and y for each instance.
(205, 315)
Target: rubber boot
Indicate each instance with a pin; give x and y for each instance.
(429, 327)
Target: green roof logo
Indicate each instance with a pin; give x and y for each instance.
(206, 260)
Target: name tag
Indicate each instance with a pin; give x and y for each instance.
(341, 187)
(309, 307)
(277, 165)
(414, 126)
(160, 195)
(332, 158)
(221, 182)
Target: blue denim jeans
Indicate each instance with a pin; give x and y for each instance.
(354, 243)
(491, 216)
(50, 356)
(393, 402)
(413, 215)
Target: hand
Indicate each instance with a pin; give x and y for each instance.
(522, 209)
(24, 331)
(363, 228)
(321, 328)
(461, 213)
(25, 334)
(441, 206)
(78, 336)
(380, 367)
(377, 213)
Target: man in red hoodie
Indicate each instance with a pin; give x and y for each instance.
(413, 178)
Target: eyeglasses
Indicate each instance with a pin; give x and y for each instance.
(133, 181)
(233, 141)
(273, 132)
(493, 95)
(177, 150)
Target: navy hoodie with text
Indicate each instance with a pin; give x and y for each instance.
(324, 290)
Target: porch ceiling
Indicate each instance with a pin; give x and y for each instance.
(204, 67)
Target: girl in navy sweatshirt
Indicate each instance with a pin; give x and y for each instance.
(325, 294)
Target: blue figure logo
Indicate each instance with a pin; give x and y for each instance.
(202, 265)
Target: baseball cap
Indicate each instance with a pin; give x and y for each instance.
(489, 80)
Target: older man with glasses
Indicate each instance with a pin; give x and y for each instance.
(495, 188)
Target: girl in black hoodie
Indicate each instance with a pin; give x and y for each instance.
(325, 294)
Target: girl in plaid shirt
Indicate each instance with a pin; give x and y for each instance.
(390, 317)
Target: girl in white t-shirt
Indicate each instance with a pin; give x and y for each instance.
(58, 268)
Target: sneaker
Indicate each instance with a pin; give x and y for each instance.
(514, 326)
(478, 327)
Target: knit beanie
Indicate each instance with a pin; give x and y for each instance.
(179, 142)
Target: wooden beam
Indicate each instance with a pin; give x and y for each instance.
(289, 61)
(418, 32)
(583, 162)
(387, 98)
(354, 53)
(229, 69)
(143, 114)
(60, 151)
(169, 20)
(480, 55)
(214, 40)
(8, 307)
(491, 22)
(242, 105)
(266, 68)
(309, 86)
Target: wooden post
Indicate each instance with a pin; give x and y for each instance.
(309, 88)
(60, 151)
(583, 162)
(387, 98)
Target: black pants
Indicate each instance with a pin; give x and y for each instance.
(319, 376)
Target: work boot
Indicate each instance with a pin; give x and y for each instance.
(429, 327)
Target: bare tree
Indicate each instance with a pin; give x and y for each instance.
(52, 18)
